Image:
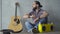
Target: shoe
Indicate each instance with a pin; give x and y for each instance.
(35, 30)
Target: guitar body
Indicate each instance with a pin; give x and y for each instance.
(14, 26)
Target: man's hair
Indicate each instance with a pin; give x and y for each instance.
(37, 2)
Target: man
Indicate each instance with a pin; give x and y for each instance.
(37, 14)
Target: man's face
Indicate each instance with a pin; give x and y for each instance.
(34, 5)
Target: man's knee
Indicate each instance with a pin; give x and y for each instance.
(43, 20)
(26, 23)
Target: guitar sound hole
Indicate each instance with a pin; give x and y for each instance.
(17, 21)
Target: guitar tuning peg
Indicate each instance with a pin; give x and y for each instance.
(16, 3)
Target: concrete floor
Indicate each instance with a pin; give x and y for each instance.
(38, 33)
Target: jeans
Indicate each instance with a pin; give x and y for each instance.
(29, 25)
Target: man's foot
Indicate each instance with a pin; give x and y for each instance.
(35, 30)
(30, 30)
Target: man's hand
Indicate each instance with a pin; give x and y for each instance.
(32, 16)
(36, 20)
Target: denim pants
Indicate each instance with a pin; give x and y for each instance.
(29, 25)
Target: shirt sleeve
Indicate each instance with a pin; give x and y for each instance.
(31, 13)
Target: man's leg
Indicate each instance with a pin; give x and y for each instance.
(35, 29)
(28, 26)
(42, 21)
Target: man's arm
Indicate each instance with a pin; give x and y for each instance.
(45, 14)
(26, 16)
(30, 15)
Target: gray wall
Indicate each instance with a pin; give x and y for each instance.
(53, 8)
(0, 13)
(8, 9)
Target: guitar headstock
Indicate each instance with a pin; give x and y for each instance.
(16, 3)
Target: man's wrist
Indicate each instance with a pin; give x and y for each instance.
(29, 16)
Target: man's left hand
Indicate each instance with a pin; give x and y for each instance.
(36, 20)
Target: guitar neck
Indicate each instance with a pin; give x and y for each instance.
(16, 11)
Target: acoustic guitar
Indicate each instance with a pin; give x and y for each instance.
(15, 25)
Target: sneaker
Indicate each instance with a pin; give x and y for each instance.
(35, 30)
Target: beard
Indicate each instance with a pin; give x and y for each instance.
(34, 8)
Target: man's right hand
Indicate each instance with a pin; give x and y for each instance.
(32, 16)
